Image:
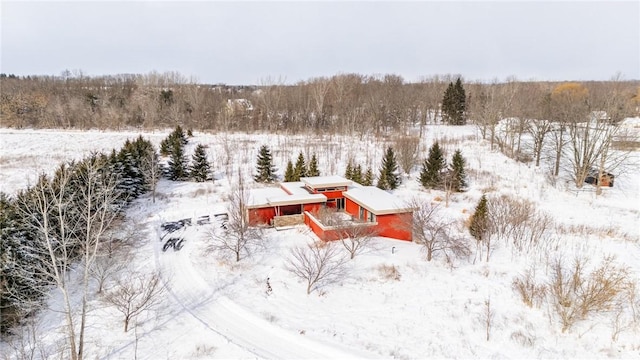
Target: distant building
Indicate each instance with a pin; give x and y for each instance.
(606, 180)
(301, 202)
(239, 106)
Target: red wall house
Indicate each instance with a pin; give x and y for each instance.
(366, 204)
(393, 218)
(267, 203)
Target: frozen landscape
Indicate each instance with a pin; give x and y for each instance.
(392, 303)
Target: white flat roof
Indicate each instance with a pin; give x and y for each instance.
(377, 200)
(260, 197)
(316, 182)
(297, 199)
(295, 188)
(275, 196)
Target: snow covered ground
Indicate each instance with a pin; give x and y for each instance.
(219, 309)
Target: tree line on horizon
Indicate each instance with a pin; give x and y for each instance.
(387, 104)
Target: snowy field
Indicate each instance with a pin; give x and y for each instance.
(219, 309)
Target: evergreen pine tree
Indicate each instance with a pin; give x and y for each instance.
(200, 169)
(357, 174)
(289, 174)
(454, 104)
(131, 181)
(177, 162)
(389, 179)
(300, 170)
(348, 173)
(179, 135)
(432, 167)
(313, 167)
(367, 179)
(480, 220)
(448, 107)
(165, 146)
(265, 170)
(459, 177)
(20, 254)
(460, 103)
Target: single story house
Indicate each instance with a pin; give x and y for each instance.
(301, 202)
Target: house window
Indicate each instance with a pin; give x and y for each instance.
(340, 203)
(361, 213)
(372, 217)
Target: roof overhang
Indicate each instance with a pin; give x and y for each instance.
(363, 199)
(317, 182)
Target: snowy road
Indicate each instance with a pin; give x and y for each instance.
(238, 325)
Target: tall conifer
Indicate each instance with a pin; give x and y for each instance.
(389, 179)
(200, 169)
(300, 170)
(265, 170)
(289, 174)
(458, 174)
(432, 167)
(480, 220)
(313, 166)
(367, 179)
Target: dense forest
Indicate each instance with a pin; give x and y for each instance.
(345, 103)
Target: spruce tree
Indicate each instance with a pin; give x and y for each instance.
(357, 174)
(460, 102)
(289, 174)
(265, 170)
(200, 169)
(367, 179)
(432, 167)
(448, 107)
(300, 170)
(313, 167)
(389, 179)
(479, 226)
(20, 254)
(177, 163)
(348, 173)
(179, 135)
(454, 104)
(165, 146)
(131, 181)
(459, 177)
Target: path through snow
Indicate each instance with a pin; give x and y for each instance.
(238, 325)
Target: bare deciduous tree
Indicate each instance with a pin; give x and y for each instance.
(356, 238)
(113, 254)
(568, 105)
(592, 138)
(433, 231)
(135, 293)
(575, 295)
(70, 214)
(318, 264)
(488, 317)
(407, 148)
(239, 237)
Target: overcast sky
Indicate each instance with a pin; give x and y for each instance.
(249, 42)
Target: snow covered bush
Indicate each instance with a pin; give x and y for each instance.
(530, 292)
(575, 296)
(389, 272)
